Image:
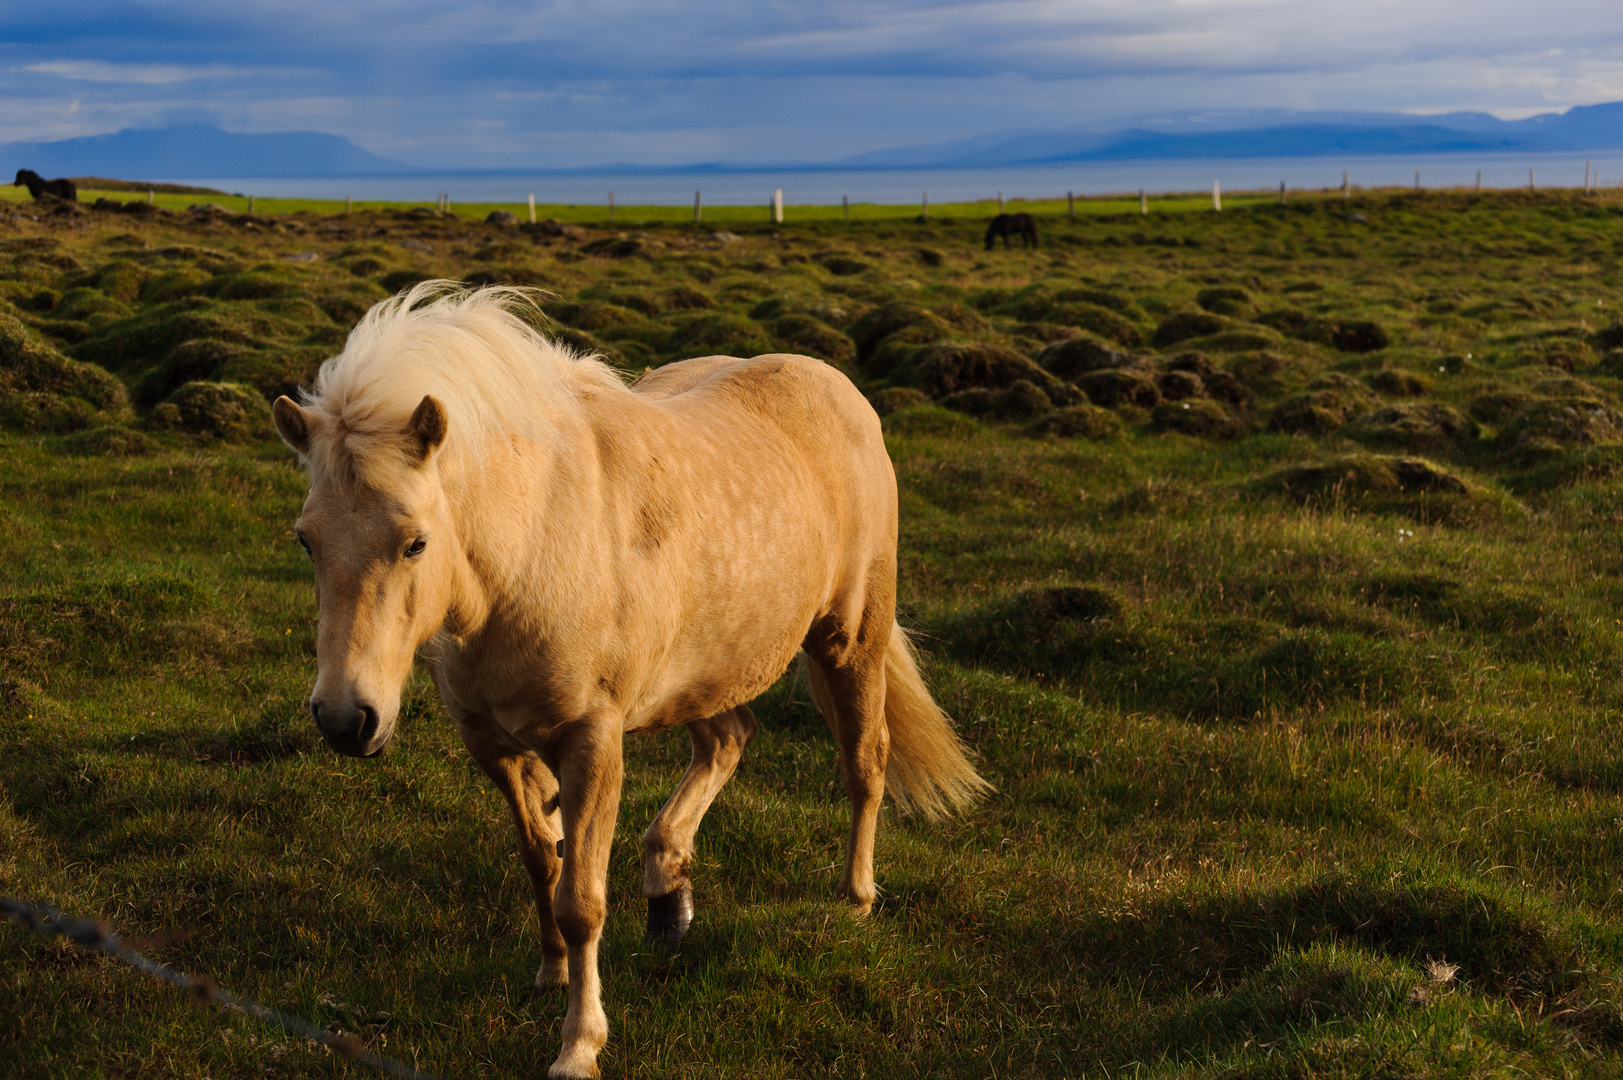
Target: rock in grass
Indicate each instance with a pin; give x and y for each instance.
(1188, 324)
(1200, 417)
(945, 367)
(225, 411)
(1115, 388)
(1396, 382)
(1427, 427)
(1078, 422)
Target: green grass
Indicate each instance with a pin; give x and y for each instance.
(1304, 729)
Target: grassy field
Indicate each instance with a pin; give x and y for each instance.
(1269, 561)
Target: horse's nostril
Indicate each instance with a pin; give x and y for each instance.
(315, 711)
(369, 724)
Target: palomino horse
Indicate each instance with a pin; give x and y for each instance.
(585, 560)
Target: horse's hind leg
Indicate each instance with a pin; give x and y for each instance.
(850, 692)
(531, 792)
(718, 743)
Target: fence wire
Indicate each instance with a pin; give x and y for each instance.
(46, 921)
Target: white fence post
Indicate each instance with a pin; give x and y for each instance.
(777, 206)
(346, 204)
(532, 208)
(924, 210)
(1070, 205)
(845, 200)
(1217, 196)
(698, 203)
(1346, 185)
(611, 206)
(1000, 202)
(1143, 202)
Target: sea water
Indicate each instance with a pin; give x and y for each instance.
(816, 186)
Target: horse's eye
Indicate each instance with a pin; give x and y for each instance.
(416, 548)
(306, 546)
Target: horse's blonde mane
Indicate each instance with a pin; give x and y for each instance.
(493, 371)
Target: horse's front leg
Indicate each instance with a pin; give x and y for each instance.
(587, 759)
(531, 792)
(718, 744)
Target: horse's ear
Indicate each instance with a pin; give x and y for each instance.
(427, 426)
(292, 423)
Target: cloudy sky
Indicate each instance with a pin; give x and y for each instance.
(542, 84)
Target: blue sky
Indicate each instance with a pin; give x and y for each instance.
(449, 85)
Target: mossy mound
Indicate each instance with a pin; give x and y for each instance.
(1498, 404)
(1396, 382)
(1548, 426)
(930, 420)
(214, 410)
(1330, 402)
(945, 368)
(1115, 388)
(137, 345)
(1427, 427)
(1214, 381)
(593, 315)
(1099, 320)
(717, 334)
(43, 390)
(174, 284)
(1075, 357)
(1348, 335)
(1185, 325)
(813, 337)
(1358, 477)
(1021, 400)
(1610, 365)
(1102, 298)
(1201, 417)
(1609, 337)
(1265, 372)
(108, 441)
(893, 399)
(1224, 300)
(1078, 422)
(90, 306)
(871, 330)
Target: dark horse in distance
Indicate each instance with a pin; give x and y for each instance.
(38, 186)
(1006, 225)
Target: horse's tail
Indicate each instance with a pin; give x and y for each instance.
(928, 771)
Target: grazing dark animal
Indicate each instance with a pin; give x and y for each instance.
(1005, 225)
(39, 186)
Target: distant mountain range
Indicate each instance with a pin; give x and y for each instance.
(201, 151)
(1268, 134)
(198, 151)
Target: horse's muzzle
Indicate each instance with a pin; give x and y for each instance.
(353, 731)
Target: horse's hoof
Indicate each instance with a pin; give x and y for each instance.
(669, 917)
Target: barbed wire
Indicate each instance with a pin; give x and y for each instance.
(46, 921)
